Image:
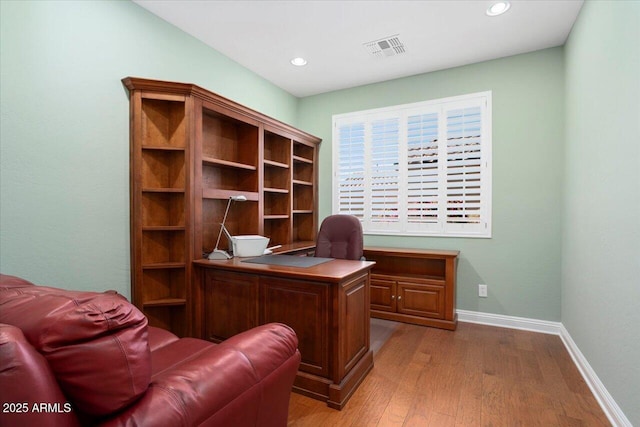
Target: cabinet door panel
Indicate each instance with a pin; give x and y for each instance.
(353, 324)
(231, 304)
(425, 300)
(383, 294)
(304, 307)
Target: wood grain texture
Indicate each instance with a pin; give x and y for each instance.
(475, 376)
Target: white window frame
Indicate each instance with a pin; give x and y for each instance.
(480, 223)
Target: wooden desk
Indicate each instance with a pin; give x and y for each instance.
(327, 305)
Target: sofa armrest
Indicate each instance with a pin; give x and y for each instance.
(27, 383)
(244, 381)
(9, 282)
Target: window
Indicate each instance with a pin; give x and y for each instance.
(416, 169)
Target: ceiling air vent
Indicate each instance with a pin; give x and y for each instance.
(385, 47)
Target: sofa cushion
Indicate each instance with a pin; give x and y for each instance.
(96, 343)
(159, 338)
(175, 353)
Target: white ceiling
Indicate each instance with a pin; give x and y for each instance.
(264, 36)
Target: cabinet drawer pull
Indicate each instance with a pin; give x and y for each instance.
(393, 297)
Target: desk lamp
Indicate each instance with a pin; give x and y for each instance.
(219, 253)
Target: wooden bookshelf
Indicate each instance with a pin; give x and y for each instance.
(191, 150)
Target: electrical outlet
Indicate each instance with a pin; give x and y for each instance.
(482, 291)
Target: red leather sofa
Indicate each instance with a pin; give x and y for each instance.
(70, 358)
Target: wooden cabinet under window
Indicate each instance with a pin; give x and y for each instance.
(191, 150)
(414, 286)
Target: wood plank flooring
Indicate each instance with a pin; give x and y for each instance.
(476, 376)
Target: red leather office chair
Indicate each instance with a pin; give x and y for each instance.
(340, 236)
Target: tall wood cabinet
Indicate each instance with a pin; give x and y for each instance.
(191, 150)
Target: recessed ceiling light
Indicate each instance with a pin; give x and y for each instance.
(299, 62)
(498, 8)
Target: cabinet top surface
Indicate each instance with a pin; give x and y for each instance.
(335, 270)
(418, 253)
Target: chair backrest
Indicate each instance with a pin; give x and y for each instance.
(340, 236)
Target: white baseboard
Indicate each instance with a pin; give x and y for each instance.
(608, 405)
(512, 322)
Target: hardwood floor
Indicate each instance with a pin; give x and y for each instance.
(476, 376)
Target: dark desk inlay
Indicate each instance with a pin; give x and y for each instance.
(288, 260)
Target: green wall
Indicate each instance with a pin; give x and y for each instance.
(601, 227)
(64, 142)
(566, 236)
(521, 263)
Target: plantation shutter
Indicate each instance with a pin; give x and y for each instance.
(422, 171)
(416, 169)
(463, 168)
(350, 174)
(384, 172)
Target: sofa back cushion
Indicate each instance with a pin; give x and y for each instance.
(95, 343)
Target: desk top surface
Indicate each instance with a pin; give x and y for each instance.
(331, 271)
